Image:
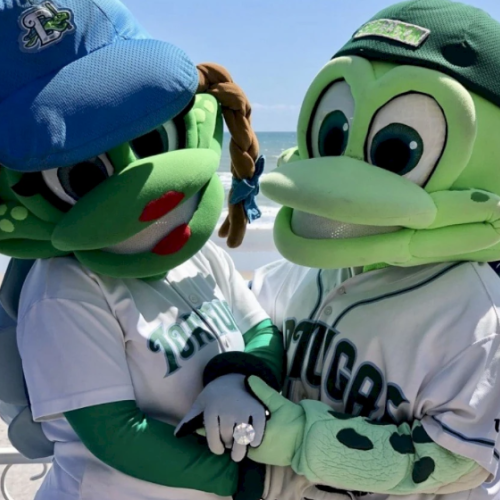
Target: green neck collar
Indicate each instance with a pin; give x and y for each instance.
(373, 267)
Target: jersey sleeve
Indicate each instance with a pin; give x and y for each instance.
(246, 310)
(274, 284)
(73, 353)
(460, 406)
(264, 350)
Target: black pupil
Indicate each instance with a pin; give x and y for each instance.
(84, 177)
(392, 155)
(149, 145)
(334, 142)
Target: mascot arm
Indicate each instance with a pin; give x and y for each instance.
(264, 356)
(356, 454)
(399, 460)
(225, 403)
(124, 438)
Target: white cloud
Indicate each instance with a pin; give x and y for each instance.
(276, 107)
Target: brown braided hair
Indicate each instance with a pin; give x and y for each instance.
(244, 146)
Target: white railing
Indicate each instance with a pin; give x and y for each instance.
(10, 457)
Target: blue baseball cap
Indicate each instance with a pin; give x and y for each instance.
(79, 77)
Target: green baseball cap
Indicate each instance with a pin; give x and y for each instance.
(450, 37)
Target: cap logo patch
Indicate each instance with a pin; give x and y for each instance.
(43, 26)
(408, 34)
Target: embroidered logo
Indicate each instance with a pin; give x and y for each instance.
(408, 34)
(43, 26)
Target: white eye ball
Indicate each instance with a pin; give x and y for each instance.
(161, 140)
(408, 137)
(72, 183)
(332, 121)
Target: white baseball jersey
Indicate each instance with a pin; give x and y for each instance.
(87, 340)
(397, 344)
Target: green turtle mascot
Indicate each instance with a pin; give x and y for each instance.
(388, 307)
(116, 307)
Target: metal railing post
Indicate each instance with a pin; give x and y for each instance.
(10, 457)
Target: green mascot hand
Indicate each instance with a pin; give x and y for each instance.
(322, 445)
(284, 429)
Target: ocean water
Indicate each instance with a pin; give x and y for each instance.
(272, 144)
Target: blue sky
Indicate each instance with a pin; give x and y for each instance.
(273, 48)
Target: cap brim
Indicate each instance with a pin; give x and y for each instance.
(94, 104)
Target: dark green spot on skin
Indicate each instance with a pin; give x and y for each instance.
(377, 422)
(420, 436)
(351, 439)
(402, 443)
(479, 197)
(340, 416)
(422, 470)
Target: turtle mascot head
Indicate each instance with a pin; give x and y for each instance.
(398, 160)
(110, 141)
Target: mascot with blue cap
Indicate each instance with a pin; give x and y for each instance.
(110, 143)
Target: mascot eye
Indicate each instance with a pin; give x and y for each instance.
(329, 129)
(408, 137)
(72, 183)
(160, 140)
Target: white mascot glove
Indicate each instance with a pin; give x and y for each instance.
(223, 405)
(282, 483)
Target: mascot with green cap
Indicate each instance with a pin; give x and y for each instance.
(388, 307)
(110, 143)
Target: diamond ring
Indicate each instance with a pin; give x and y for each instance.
(244, 434)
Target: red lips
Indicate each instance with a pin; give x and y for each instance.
(156, 209)
(160, 207)
(174, 241)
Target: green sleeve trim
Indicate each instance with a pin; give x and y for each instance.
(264, 356)
(266, 342)
(252, 479)
(121, 436)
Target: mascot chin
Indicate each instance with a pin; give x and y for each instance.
(386, 301)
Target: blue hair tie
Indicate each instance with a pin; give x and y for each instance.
(246, 191)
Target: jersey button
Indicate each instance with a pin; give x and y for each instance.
(328, 311)
(342, 290)
(194, 299)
